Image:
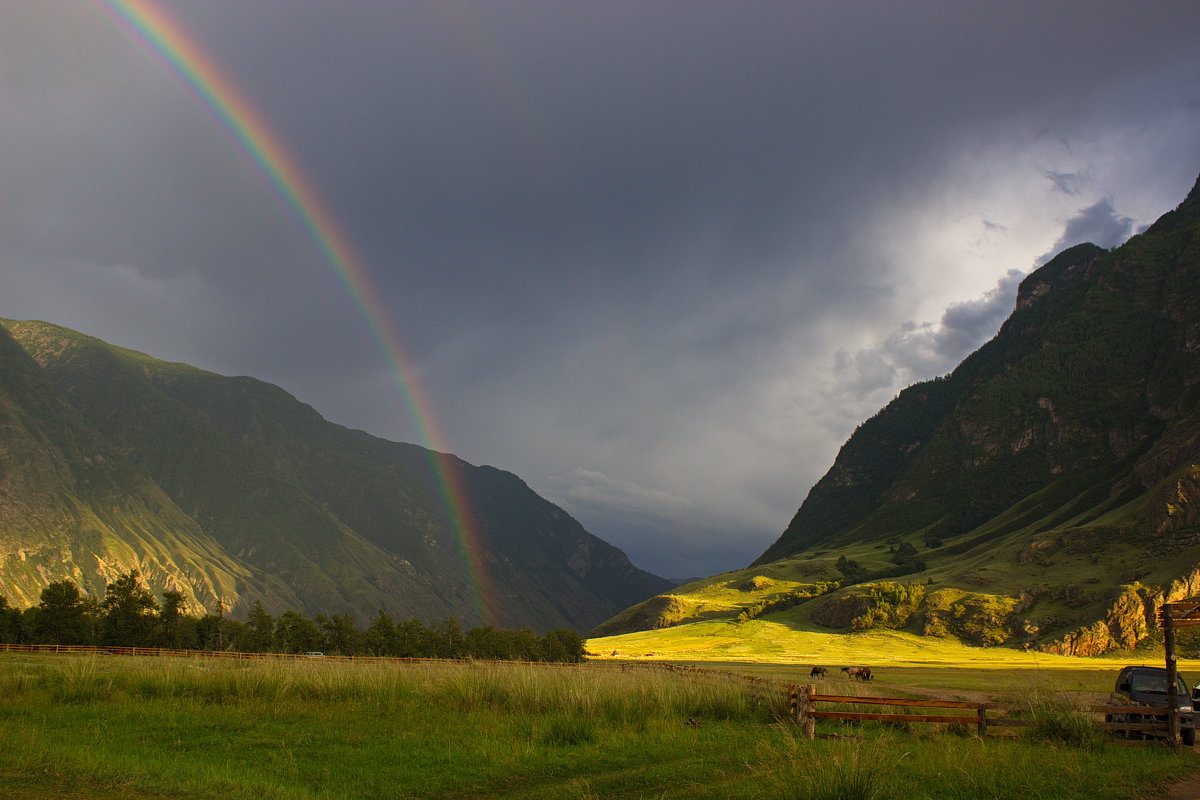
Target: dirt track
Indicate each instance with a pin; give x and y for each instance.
(1187, 789)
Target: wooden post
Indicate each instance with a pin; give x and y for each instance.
(793, 703)
(806, 708)
(982, 713)
(1172, 678)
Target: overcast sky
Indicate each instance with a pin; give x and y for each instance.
(657, 258)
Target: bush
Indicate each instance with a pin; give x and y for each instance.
(892, 605)
(787, 601)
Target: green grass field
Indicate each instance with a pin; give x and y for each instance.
(118, 727)
(783, 640)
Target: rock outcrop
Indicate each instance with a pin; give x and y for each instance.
(1132, 617)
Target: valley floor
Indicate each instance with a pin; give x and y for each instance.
(787, 651)
(119, 728)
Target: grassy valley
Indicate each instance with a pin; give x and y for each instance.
(124, 728)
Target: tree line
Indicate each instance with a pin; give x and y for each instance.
(130, 616)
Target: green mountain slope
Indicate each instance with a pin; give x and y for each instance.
(73, 506)
(1046, 492)
(320, 518)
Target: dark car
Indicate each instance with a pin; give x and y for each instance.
(1148, 686)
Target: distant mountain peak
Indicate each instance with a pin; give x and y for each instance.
(1065, 268)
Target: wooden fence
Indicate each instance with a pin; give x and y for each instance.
(803, 711)
(1156, 729)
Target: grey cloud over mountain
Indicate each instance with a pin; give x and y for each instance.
(658, 259)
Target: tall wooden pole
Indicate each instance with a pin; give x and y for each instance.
(1172, 678)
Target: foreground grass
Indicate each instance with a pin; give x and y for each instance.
(122, 728)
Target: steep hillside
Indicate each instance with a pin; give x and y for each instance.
(1047, 486)
(73, 506)
(315, 516)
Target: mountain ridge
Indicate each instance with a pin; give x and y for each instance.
(299, 512)
(1045, 493)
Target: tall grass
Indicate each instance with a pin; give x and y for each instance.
(853, 772)
(464, 687)
(1052, 718)
(310, 730)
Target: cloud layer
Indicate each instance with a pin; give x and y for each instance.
(657, 259)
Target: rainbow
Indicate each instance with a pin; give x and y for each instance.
(170, 43)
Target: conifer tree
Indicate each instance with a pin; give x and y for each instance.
(10, 622)
(259, 636)
(130, 613)
(381, 638)
(61, 616)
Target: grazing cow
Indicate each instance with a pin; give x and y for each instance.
(862, 673)
(817, 672)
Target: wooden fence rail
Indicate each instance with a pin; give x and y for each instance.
(1156, 728)
(803, 711)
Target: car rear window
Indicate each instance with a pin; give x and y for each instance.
(1154, 683)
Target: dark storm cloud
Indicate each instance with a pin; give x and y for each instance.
(921, 350)
(1099, 224)
(656, 258)
(967, 324)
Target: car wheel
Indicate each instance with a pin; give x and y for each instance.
(1189, 736)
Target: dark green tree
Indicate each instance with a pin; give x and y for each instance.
(523, 645)
(258, 635)
(130, 613)
(852, 571)
(380, 638)
(176, 628)
(212, 630)
(414, 640)
(450, 641)
(62, 616)
(487, 643)
(10, 623)
(260, 627)
(562, 645)
(295, 633)
(340, 635)
(906, 557)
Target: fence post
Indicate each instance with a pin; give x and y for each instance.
(806, 717)
(982, 711)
